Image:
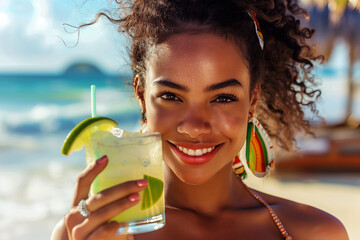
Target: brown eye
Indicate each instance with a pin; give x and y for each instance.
(225, 98)
(169, 96)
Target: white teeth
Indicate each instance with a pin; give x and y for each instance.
(191, 152)
(196, 152)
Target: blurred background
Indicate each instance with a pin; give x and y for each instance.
(45, 78)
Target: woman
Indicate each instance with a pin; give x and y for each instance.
(202, 70)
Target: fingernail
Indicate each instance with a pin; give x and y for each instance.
(142, 183)
(134, 197)
(102, 159)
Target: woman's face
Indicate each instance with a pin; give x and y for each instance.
(197, 95)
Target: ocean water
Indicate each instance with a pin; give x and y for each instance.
(36, 113)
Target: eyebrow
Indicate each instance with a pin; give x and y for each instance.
(167, 83)
(213, 87)
(227, 83)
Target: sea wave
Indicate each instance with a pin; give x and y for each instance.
(43, 118)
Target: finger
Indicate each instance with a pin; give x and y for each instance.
(109, 231)
(72, 219)
(115, 193)
(87, 177)
(102, 216)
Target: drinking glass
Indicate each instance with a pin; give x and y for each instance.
(132, 157)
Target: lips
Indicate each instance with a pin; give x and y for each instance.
(195, 154)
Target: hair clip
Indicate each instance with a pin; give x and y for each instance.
(259, 34)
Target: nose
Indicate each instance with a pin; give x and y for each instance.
(195, 123)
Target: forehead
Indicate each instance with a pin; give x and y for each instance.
(197, 56)
(196, 44)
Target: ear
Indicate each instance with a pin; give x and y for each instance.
(139, 92)
(255, 96)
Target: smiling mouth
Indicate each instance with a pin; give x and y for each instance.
(195, 152)
(193, 155)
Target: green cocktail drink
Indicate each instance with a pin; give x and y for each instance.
(132, 156)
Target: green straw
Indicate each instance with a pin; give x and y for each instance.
(93, 100)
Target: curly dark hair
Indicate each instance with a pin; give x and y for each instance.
(283, 67)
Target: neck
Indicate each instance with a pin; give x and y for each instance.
(222, 191)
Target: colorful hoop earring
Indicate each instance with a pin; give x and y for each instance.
(259, 151)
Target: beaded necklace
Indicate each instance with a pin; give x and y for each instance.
(273, 215)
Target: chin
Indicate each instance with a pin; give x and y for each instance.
(193, 176)
(193, 180)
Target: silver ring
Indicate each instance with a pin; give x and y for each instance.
(83, 208)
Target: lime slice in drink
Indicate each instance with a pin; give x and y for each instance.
(152, 193)
(81, 134)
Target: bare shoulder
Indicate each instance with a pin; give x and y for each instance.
(306, 222)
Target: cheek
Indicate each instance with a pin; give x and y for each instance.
(232, 123)
(159, 118)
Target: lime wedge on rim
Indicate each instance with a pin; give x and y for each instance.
(81, 134)
(152, 192)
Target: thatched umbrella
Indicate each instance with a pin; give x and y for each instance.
(337, 19)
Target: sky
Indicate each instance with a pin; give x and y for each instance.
(31, 33)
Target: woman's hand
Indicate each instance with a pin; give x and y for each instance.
(102, 206)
